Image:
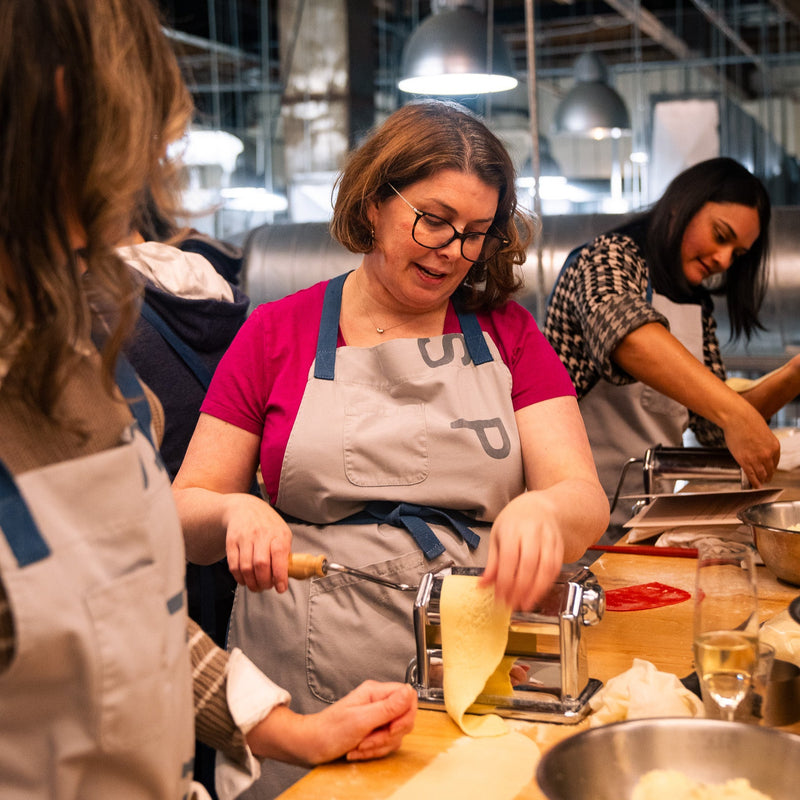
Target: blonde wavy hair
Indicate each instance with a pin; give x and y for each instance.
(90, 96)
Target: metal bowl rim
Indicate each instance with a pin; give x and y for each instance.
(603, 731)
(745, 515)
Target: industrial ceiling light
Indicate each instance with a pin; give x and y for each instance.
(592, 107)
(450, 54)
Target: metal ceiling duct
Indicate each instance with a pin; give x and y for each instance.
(281, 259)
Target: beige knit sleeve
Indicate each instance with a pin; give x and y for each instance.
(214, 724)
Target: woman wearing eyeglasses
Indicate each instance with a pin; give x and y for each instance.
(405, 416)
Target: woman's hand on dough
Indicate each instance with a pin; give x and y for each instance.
(526, 551)
(257, 544)
(754, 446)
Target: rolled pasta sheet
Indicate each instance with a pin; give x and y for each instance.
(474, 630)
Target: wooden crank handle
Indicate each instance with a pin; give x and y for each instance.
(305, 565)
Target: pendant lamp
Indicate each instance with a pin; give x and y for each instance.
(592, 107)
(449, 54)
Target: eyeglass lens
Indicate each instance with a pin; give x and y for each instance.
(434, 232)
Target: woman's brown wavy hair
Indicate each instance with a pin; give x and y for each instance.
(90, 96)
(414, 143)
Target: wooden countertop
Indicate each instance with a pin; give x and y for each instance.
(662, 636)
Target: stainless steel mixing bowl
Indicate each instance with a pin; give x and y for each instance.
(778, 546)
(606, 763)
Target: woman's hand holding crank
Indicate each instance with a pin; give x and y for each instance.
(257, 544)
(220, 516)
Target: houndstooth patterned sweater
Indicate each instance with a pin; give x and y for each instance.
(598, 299)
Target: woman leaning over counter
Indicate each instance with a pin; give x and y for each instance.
(399, 413)
(631, 316)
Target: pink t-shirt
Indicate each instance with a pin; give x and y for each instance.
(260, 381)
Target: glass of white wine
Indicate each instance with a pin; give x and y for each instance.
(725, 622)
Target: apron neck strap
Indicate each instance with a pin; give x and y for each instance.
(128, 383)
(325, 362)
(132, 390)
(17, 524)
(20, 529)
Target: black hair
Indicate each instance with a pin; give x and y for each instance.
(744, 284)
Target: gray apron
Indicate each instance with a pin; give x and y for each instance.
(623, 422)
(395, 448)
(97, 701)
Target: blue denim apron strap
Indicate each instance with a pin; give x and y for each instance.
(20, 529)
(415, 519)
(473, 335)
(325, 361)
(189, 357)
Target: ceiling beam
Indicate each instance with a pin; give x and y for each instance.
(650, 25)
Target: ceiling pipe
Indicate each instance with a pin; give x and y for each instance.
(536, 165)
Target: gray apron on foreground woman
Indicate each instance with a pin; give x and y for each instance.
(95, 540)
(395, 446)
(394, 430)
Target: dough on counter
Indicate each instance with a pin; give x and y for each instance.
(671, 784)
(475, 769)
(474, 631)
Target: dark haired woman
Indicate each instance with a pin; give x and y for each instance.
(631, 317)
(399, 412)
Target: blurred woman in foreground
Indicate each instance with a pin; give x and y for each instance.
(96, 678)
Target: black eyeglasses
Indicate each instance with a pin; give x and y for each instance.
(434, 233)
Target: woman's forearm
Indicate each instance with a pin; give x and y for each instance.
(581, 508)
(770, 394)
(202, 516)
(653, 356)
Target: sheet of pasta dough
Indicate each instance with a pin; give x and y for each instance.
(474, 631)
(475, 769)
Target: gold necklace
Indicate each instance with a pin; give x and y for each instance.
(378, 328)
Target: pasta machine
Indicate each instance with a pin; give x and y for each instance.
(665, 468)
(546, 640)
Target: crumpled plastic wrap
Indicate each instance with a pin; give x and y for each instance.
(790, 447)
(783, 633)
(643, 692)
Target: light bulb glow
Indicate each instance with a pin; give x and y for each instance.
(457, 84)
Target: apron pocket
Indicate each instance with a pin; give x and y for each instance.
(359, 630)
(385, 446)
(130, 620)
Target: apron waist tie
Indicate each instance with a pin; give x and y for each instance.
(415, 520)
(412, 518)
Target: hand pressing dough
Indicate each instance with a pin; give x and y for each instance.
(474, 634)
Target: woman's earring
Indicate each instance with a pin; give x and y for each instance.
(371, 236)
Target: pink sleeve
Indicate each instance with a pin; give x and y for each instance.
(239, 384)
